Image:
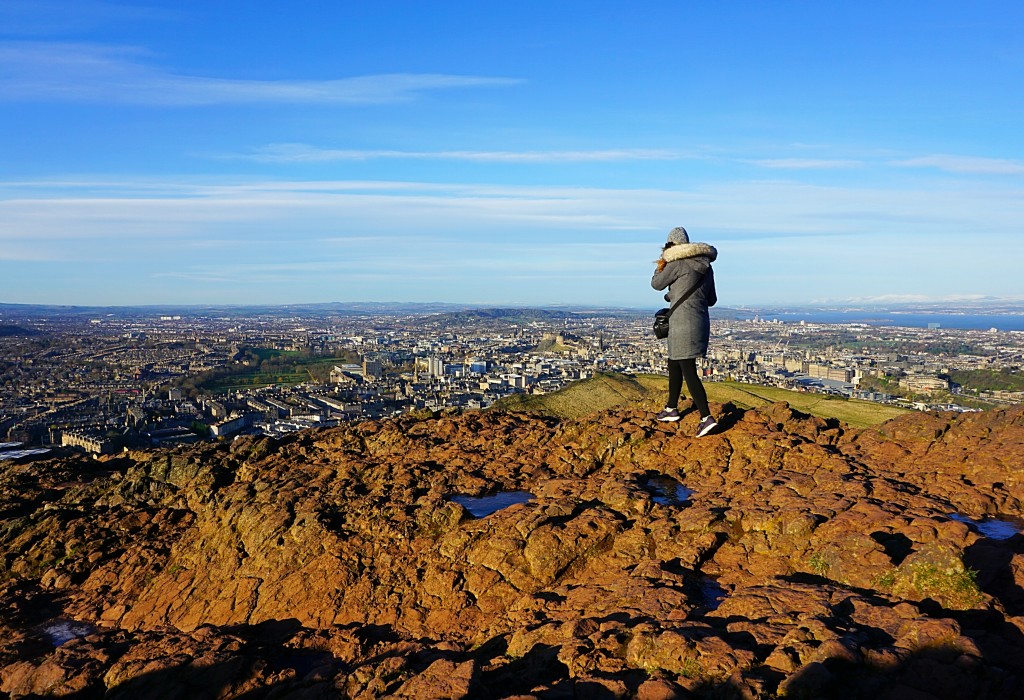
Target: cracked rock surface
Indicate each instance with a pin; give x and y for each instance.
(801, 558)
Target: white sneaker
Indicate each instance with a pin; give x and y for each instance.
(669, 415)
(707, 424)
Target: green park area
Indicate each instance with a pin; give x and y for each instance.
(1005, 379)
(262, 367)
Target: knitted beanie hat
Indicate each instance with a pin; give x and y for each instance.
(678, 235)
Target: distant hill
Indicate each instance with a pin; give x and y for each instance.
(436, 311)
(608, 390)
(17, 330)
(504, 316)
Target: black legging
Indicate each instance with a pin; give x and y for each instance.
(686, 369)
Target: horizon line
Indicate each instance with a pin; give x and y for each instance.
(848, 304)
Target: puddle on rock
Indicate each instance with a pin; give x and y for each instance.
(993, 528)
(482, 506)
(665, 490)
(60, 632)
(711, 592)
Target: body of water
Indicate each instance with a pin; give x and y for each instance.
(994, 528)
(482, 506)
(60, 631)
(665, 490)
(983, 322)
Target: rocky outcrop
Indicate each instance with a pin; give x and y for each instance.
(810, 560)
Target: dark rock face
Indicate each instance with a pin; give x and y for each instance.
(334, 564)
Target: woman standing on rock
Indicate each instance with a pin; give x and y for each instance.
(685, 268)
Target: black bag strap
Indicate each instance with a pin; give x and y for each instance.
(680, 300)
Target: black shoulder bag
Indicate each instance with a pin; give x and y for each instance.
(661, 316)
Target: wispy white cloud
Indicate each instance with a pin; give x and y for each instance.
(374, 259)
(322, 240)
(805, 163)
(302, 153)
(959, 164)
(192, 210)
(970, 165)
(317, 240)
(117, 74)
(15, 250)
(196, 276)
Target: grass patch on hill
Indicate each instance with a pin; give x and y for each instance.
(605, 391)
(601, 392)
(857, 413)
(989, 380)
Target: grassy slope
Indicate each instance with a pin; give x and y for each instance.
(601, 392)
(606, 391)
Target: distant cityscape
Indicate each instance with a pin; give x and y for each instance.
(108, 381)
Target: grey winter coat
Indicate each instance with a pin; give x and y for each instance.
(689, 328)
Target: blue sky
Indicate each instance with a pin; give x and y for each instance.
(508, 153)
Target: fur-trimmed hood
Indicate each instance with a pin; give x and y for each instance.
(681, 251)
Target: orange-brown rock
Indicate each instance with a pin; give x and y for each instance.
(811, 560)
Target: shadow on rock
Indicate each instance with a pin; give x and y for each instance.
(1000, 570)
(538, 672)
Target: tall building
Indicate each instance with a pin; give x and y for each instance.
(435, 366)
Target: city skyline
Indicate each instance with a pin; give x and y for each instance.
(196, 153)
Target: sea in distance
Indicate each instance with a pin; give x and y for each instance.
(910, 319)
